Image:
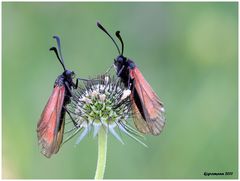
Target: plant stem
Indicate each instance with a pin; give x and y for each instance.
(102, 153)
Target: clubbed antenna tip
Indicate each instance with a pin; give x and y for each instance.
(105, 31)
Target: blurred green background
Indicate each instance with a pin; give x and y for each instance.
(188, 53)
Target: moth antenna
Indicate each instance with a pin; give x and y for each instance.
(120, 38)
(105, 31)
(56, 52)
(59, 47)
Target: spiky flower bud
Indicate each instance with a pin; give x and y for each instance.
(101, 102)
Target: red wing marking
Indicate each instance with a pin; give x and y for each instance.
(47, 128)
(152, 106)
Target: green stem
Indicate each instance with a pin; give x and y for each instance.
(102, 153)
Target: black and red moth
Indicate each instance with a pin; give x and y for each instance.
(50, 127)
(148, 110)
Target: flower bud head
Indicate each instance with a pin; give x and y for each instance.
(101, 102)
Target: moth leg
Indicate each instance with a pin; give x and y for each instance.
(86, 80)
(76, 84)
(130, 84)
(83, 79)
(68, 88)
(120, 71)
(74, 122)
(108, 69)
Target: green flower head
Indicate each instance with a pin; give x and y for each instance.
(101, 102)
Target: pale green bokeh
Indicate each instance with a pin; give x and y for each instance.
(188, 53)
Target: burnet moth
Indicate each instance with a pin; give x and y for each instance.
(50, 127)
(148, 110)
